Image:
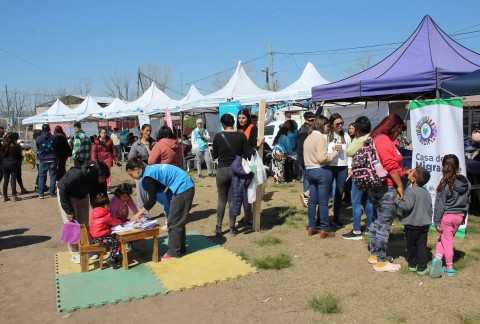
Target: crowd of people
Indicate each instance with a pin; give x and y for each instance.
(323, 152)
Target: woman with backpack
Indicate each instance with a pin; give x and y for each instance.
(359, 198)
(383, 197)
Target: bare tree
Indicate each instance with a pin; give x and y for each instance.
(362, 62)
(152, 73)
(83, 87)
(15, 105)
(118, 85)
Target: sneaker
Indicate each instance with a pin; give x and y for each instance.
(304, 199)
(352, 236)
(76, 258)
(41, 197)
(168, 257)
(436, 271)
(110, 191)
(449, 272)
(233, 231)
(94, 256)
(201, 176)
(423, 273)
(412, 269)
(112, 262)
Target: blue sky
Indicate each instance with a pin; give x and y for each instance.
(50, 44)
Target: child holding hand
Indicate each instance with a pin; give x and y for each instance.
(416, 208)
(451, 206)
(122, 201)
(101, 222)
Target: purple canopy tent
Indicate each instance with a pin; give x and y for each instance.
(417, 67)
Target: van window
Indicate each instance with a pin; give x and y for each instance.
(269, 130)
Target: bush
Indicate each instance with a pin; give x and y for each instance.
(327, 304)
(278, 262)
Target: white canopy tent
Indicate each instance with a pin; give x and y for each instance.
(58, 109)
(153, 101)
(84, 111)
(298, 90)
(239, 87)
(113, 108)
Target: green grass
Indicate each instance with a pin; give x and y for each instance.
(278, 262)
(328, 304)
(469, 318)
(243, 255)
(289, 211)
(398, 319)
(268, 240)
(465, 260)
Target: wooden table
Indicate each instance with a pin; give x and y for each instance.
(135, 235)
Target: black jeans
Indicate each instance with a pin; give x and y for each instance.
(10, 175)
(417, 246)
(224, 189)
(177, 218)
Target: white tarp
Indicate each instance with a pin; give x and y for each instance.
(374, 110)
(58, 109)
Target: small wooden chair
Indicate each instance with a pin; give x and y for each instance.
(86, 248)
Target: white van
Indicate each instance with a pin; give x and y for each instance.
(271, 131)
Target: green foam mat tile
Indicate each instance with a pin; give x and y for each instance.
(97, 288)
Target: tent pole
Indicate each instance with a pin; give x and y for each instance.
(181, 140)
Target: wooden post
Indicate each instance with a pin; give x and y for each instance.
(257, 205)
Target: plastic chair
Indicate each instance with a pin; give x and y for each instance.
(86, 248)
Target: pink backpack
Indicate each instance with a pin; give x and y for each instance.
(368, 172)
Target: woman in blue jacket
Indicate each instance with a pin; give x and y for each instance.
(159, 180)
(282, 146)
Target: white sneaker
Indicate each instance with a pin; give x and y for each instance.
(94, 257)
(76, 258)
(304, 199)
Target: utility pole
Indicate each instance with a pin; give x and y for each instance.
(139, 81)
(273, 83)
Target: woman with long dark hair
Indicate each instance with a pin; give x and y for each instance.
(281, 148)
(11, 158)
(245, 126)
(341, 165)
(226, 146)
(104, 151)
(383, 198)
(64, 151)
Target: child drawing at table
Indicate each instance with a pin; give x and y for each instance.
(122, 201)
(101, 222)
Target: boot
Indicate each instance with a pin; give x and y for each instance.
(218, 231)
(15, 198)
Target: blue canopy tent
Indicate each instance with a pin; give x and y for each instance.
(465, 85)
(416, 68)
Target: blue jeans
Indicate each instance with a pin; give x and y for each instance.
(359, 199)
(339, 174)
(118, 148)
(320, 180)
(305, 181)
(51, 167)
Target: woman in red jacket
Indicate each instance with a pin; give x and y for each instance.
(104, 151)
(383, 198)
(100, 223)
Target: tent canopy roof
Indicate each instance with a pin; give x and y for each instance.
(465, 85)
(428, 57)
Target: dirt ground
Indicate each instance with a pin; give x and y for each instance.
(30, 236)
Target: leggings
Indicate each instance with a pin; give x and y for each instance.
(110, 242)
(449, 225)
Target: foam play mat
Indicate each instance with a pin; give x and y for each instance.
(205, 263)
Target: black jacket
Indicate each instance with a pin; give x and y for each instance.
(78, 183)
(302, 135)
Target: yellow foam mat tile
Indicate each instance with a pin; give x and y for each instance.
(200, 268)
(64, 264)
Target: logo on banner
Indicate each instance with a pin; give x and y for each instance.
(426, 130)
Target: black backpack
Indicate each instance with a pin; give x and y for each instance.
(368, 173)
